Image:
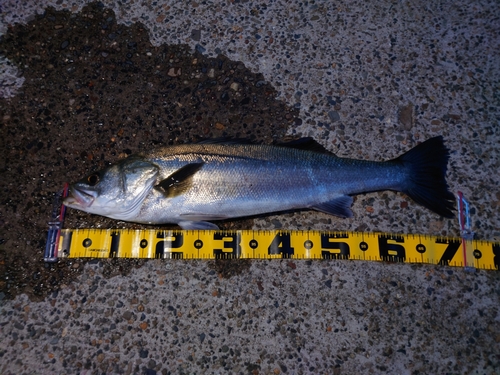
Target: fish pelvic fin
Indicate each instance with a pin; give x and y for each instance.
(197, 225)
(340, 206)
(178, 182)
(426, 166)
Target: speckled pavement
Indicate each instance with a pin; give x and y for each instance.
(367, 81)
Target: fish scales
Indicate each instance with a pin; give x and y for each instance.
(261, 170)
(317, 165)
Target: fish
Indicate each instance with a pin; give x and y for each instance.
(192, 185)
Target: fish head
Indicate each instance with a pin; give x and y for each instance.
(117, 191)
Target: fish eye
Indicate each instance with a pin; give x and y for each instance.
(93, 179)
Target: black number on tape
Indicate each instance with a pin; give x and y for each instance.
(174, 240)
(334, 249)
(391, 252)
(496, 256)
(115, 244)
(281, 245)
(451, 250)
(233, 244)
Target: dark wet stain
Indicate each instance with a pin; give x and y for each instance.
(227, 268)
(94, 92)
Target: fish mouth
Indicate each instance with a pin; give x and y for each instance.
(78, 198)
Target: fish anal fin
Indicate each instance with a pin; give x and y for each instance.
(340, 206)
(178, 182)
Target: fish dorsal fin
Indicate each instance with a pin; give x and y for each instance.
(178, 182)
(226, 141)
(307, 144)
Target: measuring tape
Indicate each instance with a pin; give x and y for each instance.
(261, 244)
(210, 244)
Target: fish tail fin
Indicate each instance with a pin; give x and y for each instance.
(426, 165)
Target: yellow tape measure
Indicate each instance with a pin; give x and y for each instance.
(201, 244)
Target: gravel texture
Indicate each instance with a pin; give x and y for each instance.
(84, 85)
(277, 317)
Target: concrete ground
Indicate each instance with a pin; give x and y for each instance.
(85, 85)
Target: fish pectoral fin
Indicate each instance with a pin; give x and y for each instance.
(340, 206)
(178, 182)
(197, 225)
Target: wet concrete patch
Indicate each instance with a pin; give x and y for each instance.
(227, 268)
(95, 92)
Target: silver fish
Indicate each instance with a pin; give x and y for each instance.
(192, 184)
